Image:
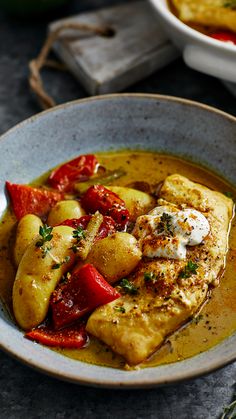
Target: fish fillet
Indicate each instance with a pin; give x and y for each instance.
(134, 326)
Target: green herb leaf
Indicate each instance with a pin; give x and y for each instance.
(120, 309)
(164, 225)
(46, 234)
(45, 251)
(65, 278)
(79, 234)
(58, 265)
(150, 277)
(74, 248)
(189, 269)
(128, 287)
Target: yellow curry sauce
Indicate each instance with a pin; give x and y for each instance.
(207, 28)
(217, 319)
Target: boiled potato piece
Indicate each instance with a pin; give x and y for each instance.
(27, 230)
(36, 278)
(137, 202)
(115, 256)
(65, 210)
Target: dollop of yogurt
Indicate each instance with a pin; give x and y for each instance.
(166, 231)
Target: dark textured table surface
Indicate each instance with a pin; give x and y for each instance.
(25, 393)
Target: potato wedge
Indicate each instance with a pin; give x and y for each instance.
(65, 210)
(37, 277)
(116, 256)
(27, 230)
(137, 202)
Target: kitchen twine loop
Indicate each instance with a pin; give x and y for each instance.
(36, 65)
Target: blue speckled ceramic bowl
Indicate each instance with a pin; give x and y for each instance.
(169, 125)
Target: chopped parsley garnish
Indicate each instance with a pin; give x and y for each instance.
(128, 287)
(58, 265)
(164, 226)
(46, 235)
(150, 277)
(189, 269)
(120, 309)
(231, 4)
(78, 234)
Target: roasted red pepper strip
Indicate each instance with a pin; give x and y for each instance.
(28, 200)
(85, 290)
(71, 337)
(80, 168)
(224, 36)
(107, 226)
(99, 198)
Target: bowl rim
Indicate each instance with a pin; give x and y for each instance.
(135, 381)
(170, 98)
(166, 14)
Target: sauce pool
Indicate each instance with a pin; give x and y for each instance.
(217, 319)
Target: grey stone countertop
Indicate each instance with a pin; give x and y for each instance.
(25, 393)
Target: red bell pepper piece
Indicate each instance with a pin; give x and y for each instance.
(28, 200)
(80, 168)
(71, 337)
(84, 291)
(107, 226)
(99, 198)
(224, 36)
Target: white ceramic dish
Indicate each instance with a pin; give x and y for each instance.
(174, 126)
(200, 52)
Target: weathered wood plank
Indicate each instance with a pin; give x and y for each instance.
(103, 65)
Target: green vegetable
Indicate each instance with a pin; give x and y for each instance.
(46, 234)
(128, 287)
(189, 269)
(45, 251)
(164, 225)
(106, 179)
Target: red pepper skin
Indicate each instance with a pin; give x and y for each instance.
(107, 226)
(99, 198)
(77, 169)
(85, 290)
(71, 337)
(224, 36)
(28, 200)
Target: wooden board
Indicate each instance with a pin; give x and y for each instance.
(110, 64)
